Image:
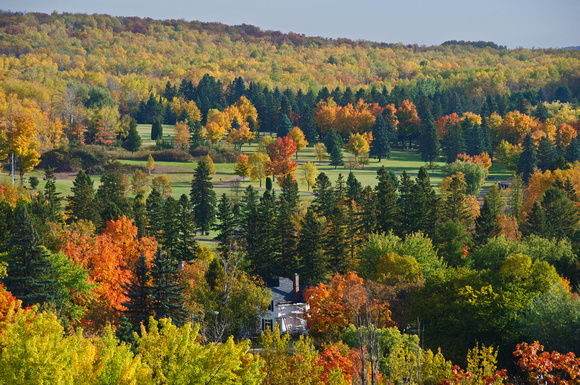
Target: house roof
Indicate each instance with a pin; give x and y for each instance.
(283, 290)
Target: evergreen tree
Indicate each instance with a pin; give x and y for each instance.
(404, 203)
(169, 226)
(561, 215)
(335, 242)
(111, 212)
(308, 125)
(248, 229)
(139, 215)
(266, 261)
(540, 112)
(225, 226)
(528, 158)
(573, 151)
(286, 227)
(454, 143)
(81, 205)
(334, 146)
(133, 140)
(310, 260)
(381, 144)
(284, 126)
(367, 218)
(324, 202)
(53, 199)
(156, 130)
(186, 244)
(202, 197)
(485, 225)
(167, 299)
(169, 116)
(6, 224)
(546, 154)
(112, 187)
(29, 272)
(429, 141)
(290, 193)
(353, 188)
(535, 222)
(154, 210)
(476, 142)
(422, 206)
(386, 202)
(195, 134)
(138, 307)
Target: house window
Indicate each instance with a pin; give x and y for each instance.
(271, 306)
(267, 324)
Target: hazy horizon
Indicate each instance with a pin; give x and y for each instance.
(527, 24)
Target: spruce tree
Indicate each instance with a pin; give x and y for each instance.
(367, 215)
(169, 226)
(225, 226)
(528, 158)
(485, 225)
(429, 141)
(386, 202)
(112, 187)
(284, 126)
(324, 202)
(573, 151)
(186, 244)
(154, 210)
(353, 188)
(454, 143)
(405, 203)
(156, 130)
(139, 215)
(167, 299)
(286, 228)
(81, 205)
(202, 197)
(53, 198)
(381, 144)
(535, 222)
(334, 146)
(266, 262)
(138, 307)
(29, 272)
(133, 140)
(6, 224)
(308, 125)
(248, 229)
(335, 242)
(561, 215)
(546, 154)
(422, 206)
(310, 260)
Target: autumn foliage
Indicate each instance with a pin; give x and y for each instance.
(109, 257)
(547, 368)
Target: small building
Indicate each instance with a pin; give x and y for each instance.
(287, 306)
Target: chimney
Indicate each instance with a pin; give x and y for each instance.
(296, 285)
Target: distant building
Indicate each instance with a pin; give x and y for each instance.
(287, 306)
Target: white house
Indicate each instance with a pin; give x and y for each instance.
(287, 306)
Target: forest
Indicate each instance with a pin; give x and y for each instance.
(156, 174)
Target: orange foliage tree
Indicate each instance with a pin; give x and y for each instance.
(547, 368)
(409, 122)
(334, 306)
(345, 120)
(280, 163)
(110, 258)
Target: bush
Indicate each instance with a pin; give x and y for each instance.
(219, 155)
(474, 174)
(172, 155)
(60, 160)
(92, 158)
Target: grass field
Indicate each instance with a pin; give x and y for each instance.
(181, 173)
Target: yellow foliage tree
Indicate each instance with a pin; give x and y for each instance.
(181, 136)
(308, 174)
(162, 184)
(297, 135)
(209, 161)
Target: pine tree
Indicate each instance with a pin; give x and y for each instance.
(573, 151)
(186, 244)
(156, 130)
(225, 226)
(154, 209)
(429, 141)
(266, 261)
(53, 199)
(6, 224)
(138, 306)
(133, 140)
(386, 202)
(169, 226)
(308, 125)
(476, 141)
(29, 268)
(367, 215)
(454, 143)
(535, 222)
(422, 205)
(202, 197)
(405, 205)
(334, 146)
(335, 242)
(528, 158)
(139, 215)
(561, 215)
(248, 229)
(112, 187)
(324, 202)
(546, 154)
(287, 229)
(381, 144)
(81, 205)
(310, 260)
(485, 225)
(353, 188)
(284, 126)
(167, 299)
